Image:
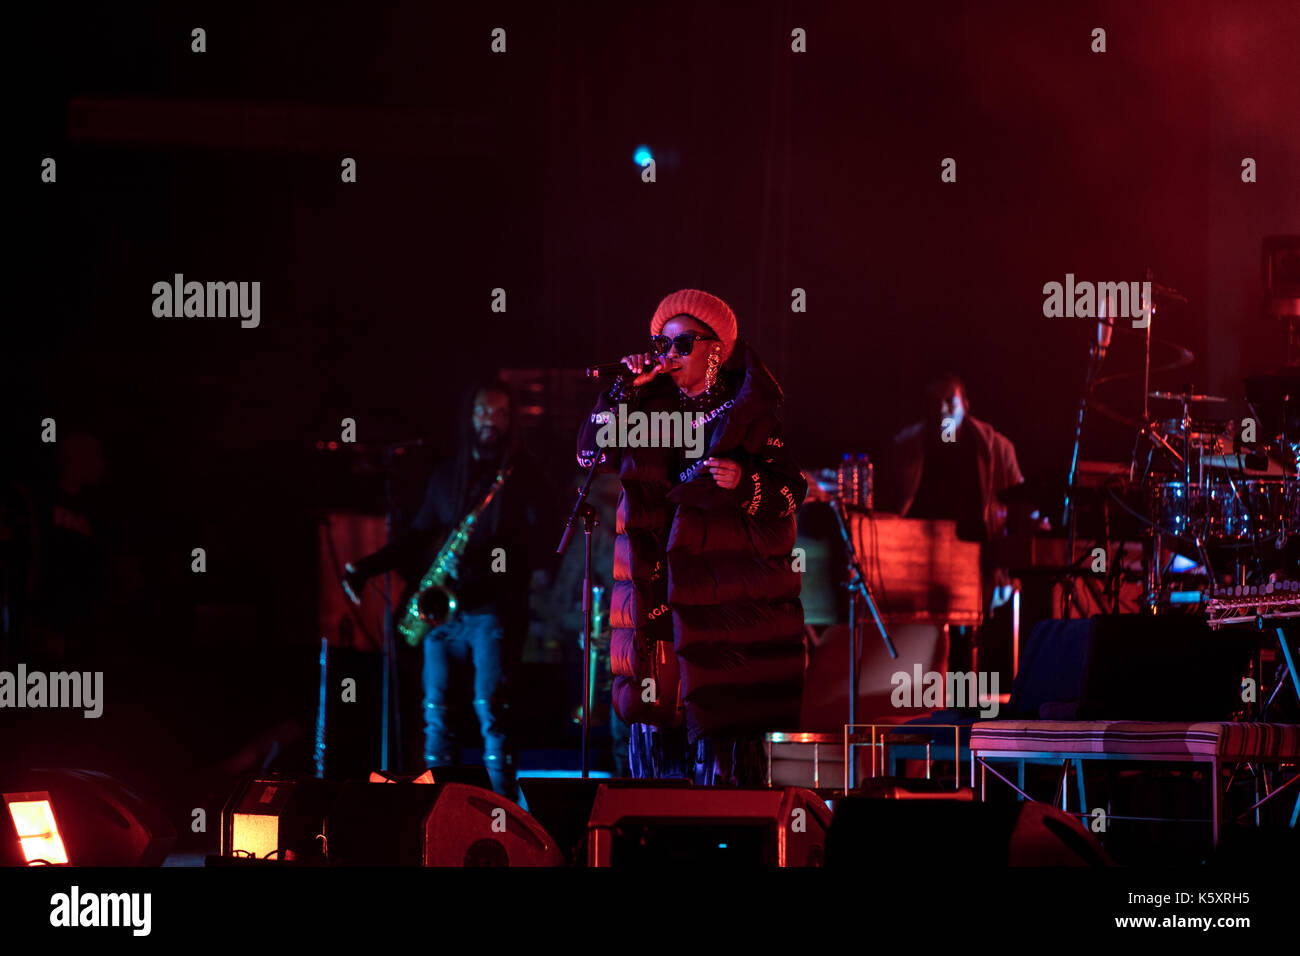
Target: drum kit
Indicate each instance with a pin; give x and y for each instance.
(1218, 496)
(1221, 493)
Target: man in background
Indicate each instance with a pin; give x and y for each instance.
(952, 466)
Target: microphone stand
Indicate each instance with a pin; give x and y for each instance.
(390, 651)
(1097, 355)
(859, 589)
(392, 712)
(582, 509)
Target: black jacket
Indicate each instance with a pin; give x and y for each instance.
(705, 599)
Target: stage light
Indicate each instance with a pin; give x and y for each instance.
(643, 156)
(38, 831)
(99, 822)
(276, 818)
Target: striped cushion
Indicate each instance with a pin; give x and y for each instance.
(1240, 740)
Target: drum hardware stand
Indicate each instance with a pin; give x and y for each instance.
(859, 588)
(1288, 669)
(1146, 369)
(1115, 568)
(1154, 551)
(1154, 574)
(390, 734)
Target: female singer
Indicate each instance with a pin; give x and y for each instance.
(707, 644)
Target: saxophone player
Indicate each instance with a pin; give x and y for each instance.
(490, 580)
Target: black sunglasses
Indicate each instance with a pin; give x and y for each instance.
(684, 343)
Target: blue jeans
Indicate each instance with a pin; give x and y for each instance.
(477, 638)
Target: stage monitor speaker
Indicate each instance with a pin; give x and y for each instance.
(908, 834)
(1130, 667)
(446, 824)
(706, 826)
(1169, 667)
(99, 821)
(273, 817)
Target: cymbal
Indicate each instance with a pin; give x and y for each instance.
(1178, 355)
(1113, 415)
(1185, 397)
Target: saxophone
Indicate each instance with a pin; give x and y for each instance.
(434, 604)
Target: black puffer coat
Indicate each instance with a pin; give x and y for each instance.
(706, 599)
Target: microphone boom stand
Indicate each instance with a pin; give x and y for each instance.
(859, 589)
(582, 509)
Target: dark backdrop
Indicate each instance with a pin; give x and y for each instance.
(475, 171)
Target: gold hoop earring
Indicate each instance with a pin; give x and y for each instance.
(711, 373)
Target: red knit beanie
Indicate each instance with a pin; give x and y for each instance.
(709, 309)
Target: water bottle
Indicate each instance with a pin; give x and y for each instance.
(844, 480)
(866, 482)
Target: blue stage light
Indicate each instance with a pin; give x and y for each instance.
(643, 156)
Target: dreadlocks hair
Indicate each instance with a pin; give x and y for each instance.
(464, 450)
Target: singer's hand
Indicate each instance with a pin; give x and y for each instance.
(724, 471)
(639, 361)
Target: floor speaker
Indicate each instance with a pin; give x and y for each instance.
(932, 833)
(1130, 667)
(443, 824)
(706, 826)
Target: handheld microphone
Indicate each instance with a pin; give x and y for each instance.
(1105, 327)
(614, 370)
